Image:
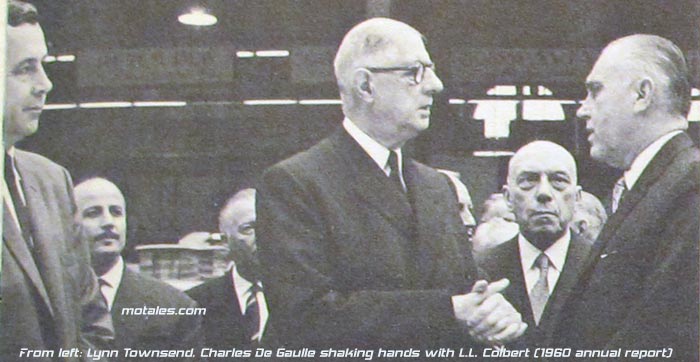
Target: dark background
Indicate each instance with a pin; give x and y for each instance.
(177, 166)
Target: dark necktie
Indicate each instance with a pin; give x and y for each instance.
(252, 313)
(394, 172)
(104, 284)
(540, 292)
(21, 209)
(618, 194)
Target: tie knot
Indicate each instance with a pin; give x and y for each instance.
(542, 261)
(393, 162)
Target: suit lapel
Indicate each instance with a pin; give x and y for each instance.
(575, 257)
(17, 246)
(47, 249)
(649, 176)
(384, 196)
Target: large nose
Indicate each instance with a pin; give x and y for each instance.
(544, 191)
(432, 83)
(583, 112)
(42, 84)
(107, 221)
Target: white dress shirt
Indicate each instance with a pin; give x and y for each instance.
(113, 278)
(557, 257)
(374, 149)
(644, 157)
(242, 288)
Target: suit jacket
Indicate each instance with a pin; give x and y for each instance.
(154, 332)
(639, 287)
(351, 260)
(503, 261)
(50, 295)
(223, 324)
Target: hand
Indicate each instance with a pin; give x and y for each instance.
(489, 317)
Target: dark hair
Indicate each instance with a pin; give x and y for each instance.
(20, 12)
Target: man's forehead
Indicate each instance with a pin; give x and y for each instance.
(29, 37)
(98, 192)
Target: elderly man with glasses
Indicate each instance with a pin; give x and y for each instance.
(360, 241)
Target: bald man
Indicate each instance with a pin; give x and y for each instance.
(543, 260)
(101, 222)
(639, 289)
(236, 302)
(360, 242)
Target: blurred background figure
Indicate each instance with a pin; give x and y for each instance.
(464, 201)
(497, 224)
(236, 308)
(589, 217)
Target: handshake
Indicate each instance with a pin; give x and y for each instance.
(488, 316)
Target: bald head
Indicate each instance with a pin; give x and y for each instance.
(101, 221)
(237, 220)
(367, 44)
(539, 153)
(542, 190)
(590, 217)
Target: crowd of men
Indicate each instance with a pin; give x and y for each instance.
(354, 244)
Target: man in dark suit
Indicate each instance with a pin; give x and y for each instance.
(50, 297)
(639, 287)
(543, 260)
(236, 307)
(101, 221)
(360, 243)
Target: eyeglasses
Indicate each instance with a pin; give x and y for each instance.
(417, 70)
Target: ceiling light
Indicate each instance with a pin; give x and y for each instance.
(457, 101)
(317, 102)
(105, 105)
(245, 54)
(272, 53)
(50, 107)
(160, 104)
(269, 102)
(493, 153)
(66, 58)
(197, 17)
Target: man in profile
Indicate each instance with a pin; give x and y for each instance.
(50, 296)
(543, 260)
(101, 222)
(235, 302)
(360, 242)
(639, 288)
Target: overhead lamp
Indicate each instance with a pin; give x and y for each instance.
(197, 17)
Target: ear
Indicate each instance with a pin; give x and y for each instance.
(578, 193)
(362, 85)
(644, 89)
(580, 226)
(506, 194)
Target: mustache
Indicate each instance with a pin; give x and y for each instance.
(107, 235)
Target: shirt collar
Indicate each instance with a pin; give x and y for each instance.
(644, 158)
(113, 276)
(374, 149)
(556, 252)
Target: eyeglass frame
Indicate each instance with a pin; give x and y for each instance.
(418, 68)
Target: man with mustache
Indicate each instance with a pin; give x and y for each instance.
(542, 261)
(639, 288)
(50, 297)
(101, 222)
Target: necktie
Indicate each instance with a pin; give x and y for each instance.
(617, 194)
(252, 313)
(104, 285)
(20, 207)
(540, 292)
(394, 172)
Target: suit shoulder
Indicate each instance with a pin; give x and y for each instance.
(157, 291)
(204, 292)
(493, 258)
(37, 161)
